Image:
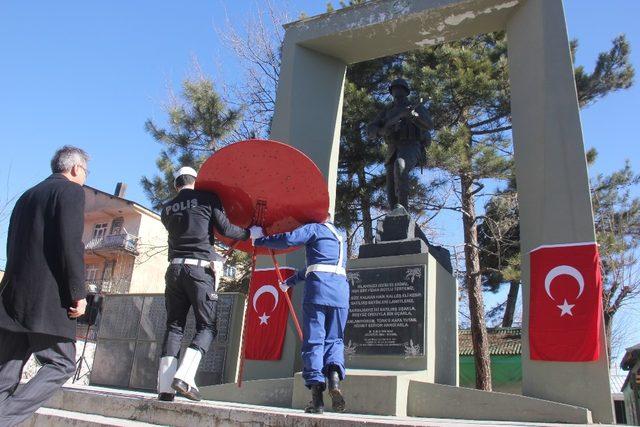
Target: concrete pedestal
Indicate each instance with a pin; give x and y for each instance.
(438, 357)
(402, 393)
(368, 391)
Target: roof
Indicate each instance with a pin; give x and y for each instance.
(129, 202)
(502, 341)
(630, 357)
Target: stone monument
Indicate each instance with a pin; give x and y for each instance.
(402, 322)
(551, 175)
(403, 314)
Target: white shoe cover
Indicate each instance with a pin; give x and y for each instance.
(166, 371)
(189, 367)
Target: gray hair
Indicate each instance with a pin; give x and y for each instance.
(67, 157)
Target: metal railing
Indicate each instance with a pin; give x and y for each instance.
(127, 242)
(112, 286)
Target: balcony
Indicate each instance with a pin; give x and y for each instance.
(114, 243)
(113, 286)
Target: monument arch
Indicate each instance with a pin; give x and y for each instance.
(551, 169)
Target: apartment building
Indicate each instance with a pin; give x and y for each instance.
(125, 244)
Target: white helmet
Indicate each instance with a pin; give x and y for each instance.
(185, 170)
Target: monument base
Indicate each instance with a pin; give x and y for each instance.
(272, 392)
(402, 393)
(367, 391)
(421, 296)
(398, 234)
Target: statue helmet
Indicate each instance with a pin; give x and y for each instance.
(400, 82)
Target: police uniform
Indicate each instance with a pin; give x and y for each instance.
(326, 298)
(190, 218)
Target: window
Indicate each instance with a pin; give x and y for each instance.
(107, 274)
(230, 271)
(116, 226)
(621, 414)
(99, 230)
(91, 272)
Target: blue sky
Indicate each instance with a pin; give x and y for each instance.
(91, 73)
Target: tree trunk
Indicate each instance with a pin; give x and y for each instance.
(365, 204)
(608, 327)
(474, 286)
(350, 251)
(512, 299)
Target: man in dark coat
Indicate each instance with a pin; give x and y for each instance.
(42, 292)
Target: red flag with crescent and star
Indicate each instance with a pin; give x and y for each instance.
(565, 307)
(267, 315)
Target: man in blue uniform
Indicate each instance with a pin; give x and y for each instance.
(324, 310)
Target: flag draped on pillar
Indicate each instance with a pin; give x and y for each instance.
(565, 303)
(267, 315)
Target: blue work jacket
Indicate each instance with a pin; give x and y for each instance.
(322, 247)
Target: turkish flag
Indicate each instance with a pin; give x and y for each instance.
(565, 306)
(267, 314)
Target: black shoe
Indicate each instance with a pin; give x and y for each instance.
(166, 397)
(337, 400)
(316, 406)
(186, 390)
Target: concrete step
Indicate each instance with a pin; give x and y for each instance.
(145, 408)
(47, 417)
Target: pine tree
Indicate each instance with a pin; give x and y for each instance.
(359, 183)
(198, 124)
(500, 254)
(470, 101)
(198, 121)
(617, 222)
(467, 82)
(499, 239)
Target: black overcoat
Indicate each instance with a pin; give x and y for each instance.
(45, 259)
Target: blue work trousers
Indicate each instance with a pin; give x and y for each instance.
(322, 346)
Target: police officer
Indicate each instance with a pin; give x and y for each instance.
(190, 218)
(405, 129)
(324, 310)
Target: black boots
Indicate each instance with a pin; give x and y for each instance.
(166, 397)
(316, 406)
(333, 381)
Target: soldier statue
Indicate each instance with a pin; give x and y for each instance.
(405, 128)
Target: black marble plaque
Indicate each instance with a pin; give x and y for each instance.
(138, 324)
(112, 363)
(144, 373)
(224, 318)
(153, 320)
(120, 317)
(212, 366)
(386, 315)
